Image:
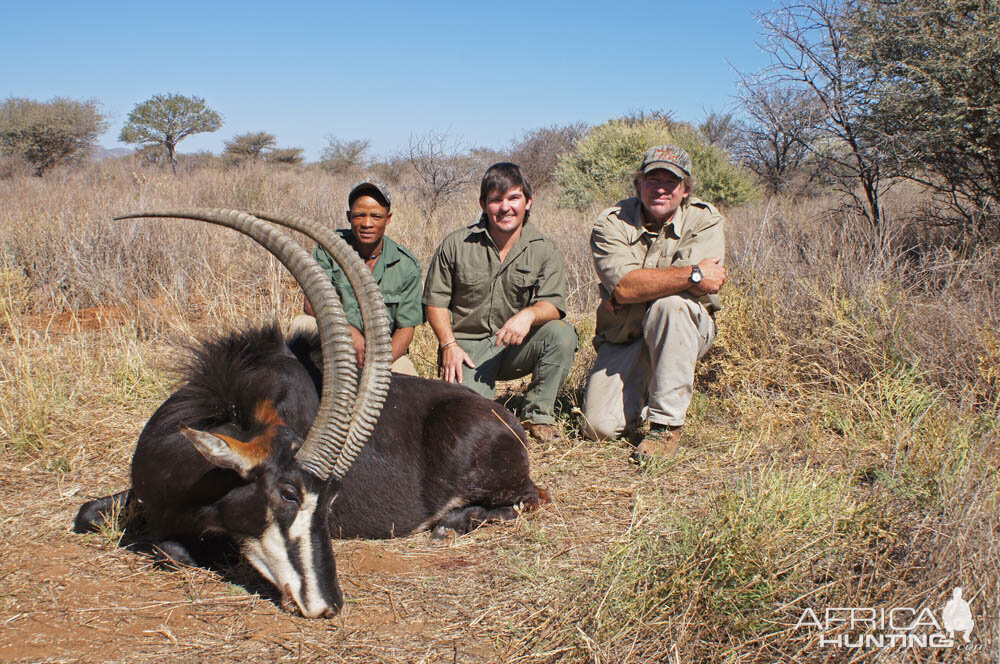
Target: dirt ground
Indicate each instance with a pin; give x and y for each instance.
(483, 597)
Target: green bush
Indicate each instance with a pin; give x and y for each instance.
(599, 169)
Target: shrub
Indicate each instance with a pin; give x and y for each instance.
(538, 151)
(45, 134)
(599, 169)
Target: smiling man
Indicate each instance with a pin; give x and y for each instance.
(395, 269)
(659, 258)
(495, 297)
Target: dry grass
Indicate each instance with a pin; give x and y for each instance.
(841, 449)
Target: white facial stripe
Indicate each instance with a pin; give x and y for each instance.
(269, 555)
(300, 533)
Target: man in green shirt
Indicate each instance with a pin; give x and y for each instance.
(395, 269)
(659, 258)
(495, 297)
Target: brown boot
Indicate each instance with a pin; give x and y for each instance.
(660, 443)
(543, 433)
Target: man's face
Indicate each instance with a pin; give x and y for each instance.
(505, 210)
(661, 193)
(368, 220)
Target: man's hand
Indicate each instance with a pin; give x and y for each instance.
(611, 306)
(713, 275)
(516, 328)
(452, 360)
(359, 345)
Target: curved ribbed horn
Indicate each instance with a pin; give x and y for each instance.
(339, 395)
(374, 382)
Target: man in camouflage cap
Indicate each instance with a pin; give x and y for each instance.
(395, 269)
(659, 258)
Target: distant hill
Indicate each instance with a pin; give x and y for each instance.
(99, 153)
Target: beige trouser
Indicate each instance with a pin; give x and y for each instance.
(307, 325)
(651, 378)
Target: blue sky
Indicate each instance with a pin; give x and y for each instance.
(386, 71)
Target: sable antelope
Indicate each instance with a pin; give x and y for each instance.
(261, 446)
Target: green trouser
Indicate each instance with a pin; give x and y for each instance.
(546, 353)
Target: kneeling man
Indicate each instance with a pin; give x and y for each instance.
(659, 258)
(395, 269)
(495, 297)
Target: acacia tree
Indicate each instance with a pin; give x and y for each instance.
(340, 156)
(45, 134)
(935, 100)
(538, 151)
(250, 146)
(720, 130)
(776, 138)
(442, 168)
(810, 55)
(167, 120)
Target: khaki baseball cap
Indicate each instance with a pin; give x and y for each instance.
(370, 187)
(671, 157)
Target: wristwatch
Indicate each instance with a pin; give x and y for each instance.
(695, 275)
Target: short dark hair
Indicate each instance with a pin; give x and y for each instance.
(503, 177)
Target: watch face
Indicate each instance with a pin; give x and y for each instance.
(695, 275)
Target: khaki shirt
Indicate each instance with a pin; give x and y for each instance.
(620, 243)
(467, 277)
(397, 274)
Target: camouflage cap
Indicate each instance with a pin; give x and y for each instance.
(373, 188)
(671, 157)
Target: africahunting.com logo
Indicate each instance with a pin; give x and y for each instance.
(897, 627)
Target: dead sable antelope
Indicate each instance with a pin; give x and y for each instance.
(261, 446)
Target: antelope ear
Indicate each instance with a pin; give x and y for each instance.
(223, 451)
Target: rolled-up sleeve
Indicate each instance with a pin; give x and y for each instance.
(410, 313)
(440, 275)
(552, 280)
(612, 250)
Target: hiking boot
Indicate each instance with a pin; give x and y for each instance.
(660, 443)
(543, 433)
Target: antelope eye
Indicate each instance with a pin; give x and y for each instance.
(289, 493)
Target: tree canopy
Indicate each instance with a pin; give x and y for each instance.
(167, 120)
(49, 133)
(933, 101)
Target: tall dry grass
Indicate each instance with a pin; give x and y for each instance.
(841, 449)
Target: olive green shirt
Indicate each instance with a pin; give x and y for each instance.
(397, 274)
(467, 277)
(620, 243)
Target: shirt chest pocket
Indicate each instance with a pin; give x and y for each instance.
(472, 284)
(521, 284)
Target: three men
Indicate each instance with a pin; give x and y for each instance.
(659, 258)
(395, 269)
(495, 297)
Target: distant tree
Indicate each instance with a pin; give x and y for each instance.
(809, 54)
(250, 146)
(538, 151)
(45, 134)
(776, 140)
(934, 100)
(152, 154)
(720, 130)
(167, 120)
(341, 156)
(442, 169)
(292, 156)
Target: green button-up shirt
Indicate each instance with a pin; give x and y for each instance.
(620, 243)
(467, 277)
(397, 274)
